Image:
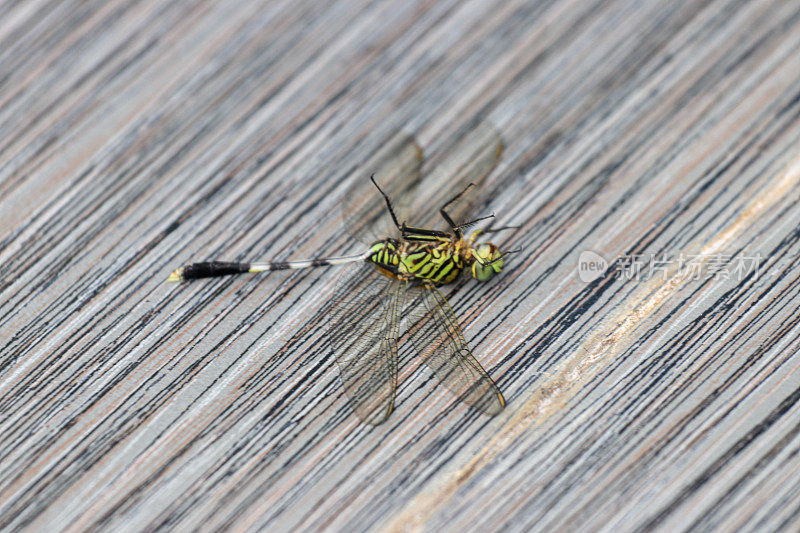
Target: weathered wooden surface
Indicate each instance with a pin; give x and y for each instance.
(137, 136)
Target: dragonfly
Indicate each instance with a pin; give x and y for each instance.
(397, 278)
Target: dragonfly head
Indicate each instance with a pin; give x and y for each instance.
(488, 261)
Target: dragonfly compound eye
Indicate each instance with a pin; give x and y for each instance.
(488, 261)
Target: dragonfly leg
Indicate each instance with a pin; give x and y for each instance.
(457, 196)
(473, 222)
(388, 203)
(476, 234)
(503, 228)
(421, 234)
(443, 211)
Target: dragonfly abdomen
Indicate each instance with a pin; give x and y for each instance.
(213, 269)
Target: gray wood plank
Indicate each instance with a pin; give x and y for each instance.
(136, 136)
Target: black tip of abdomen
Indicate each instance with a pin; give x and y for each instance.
(213, 269)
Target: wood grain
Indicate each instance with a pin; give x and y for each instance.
(136, 136)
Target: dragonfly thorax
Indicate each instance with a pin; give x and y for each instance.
(440, 261)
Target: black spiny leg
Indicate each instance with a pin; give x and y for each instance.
(388, 203)
(473, 222)
(422, 234)
(456, 229)
(495, 230)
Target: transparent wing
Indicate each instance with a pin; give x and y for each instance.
(396, 166)
(473, 156)
(362, 333)
(397, 170)
(436, 337)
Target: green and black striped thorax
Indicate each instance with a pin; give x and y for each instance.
(439, 261)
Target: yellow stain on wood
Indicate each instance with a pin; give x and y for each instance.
(589, 360)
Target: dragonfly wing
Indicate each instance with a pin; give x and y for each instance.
(470, 160)
(397, 170)
(437, 338)
(362, 333)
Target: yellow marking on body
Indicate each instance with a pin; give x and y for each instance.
(447, 268)
(419, 260)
